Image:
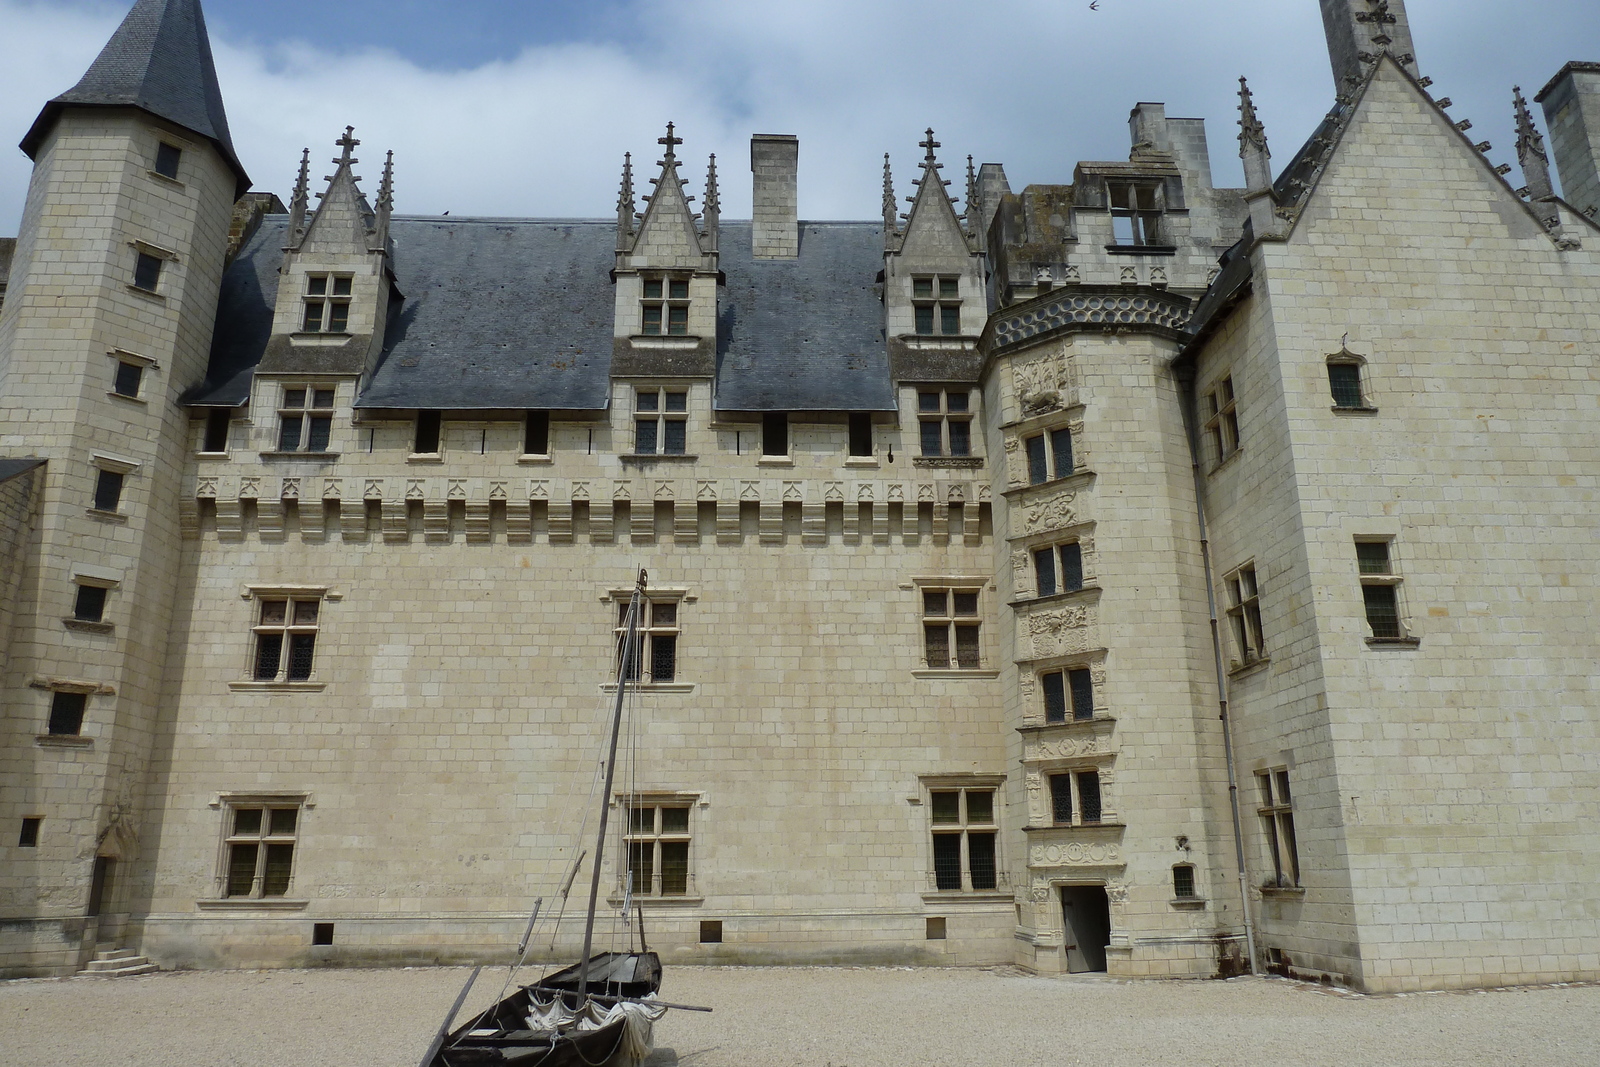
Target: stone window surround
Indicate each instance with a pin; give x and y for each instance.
(661, 415)
(927, 785)
(327, 303)
(614, 599)
(54, 685)
(689, 800)
(227, 803)
(166, 255)
(1242, 596)
(145, 363)
(1391, 579)
(1346, 358)
(1222, 421)
(980, 584)
(944, 417)
(253, 595)
(87, 574)
(1276, 809)
(305, 414)
(665, 304)
(163, 135)
(114, 464)
(937, 302)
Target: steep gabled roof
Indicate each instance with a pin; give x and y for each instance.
(158, 61)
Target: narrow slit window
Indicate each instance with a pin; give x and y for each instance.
(90, 604)
(430, 425)
(536, 433)
(218, 422)
(775, 434)
(860, 434)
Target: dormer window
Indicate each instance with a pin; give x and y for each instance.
(305, 421)
(1135, 213)
(937, 300)
(666, 306)
(327, 303)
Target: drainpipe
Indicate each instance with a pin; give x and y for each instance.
(1186, 389)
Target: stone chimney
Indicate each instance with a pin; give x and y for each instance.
(1572, 114)
(1360, 30)
(775, 218)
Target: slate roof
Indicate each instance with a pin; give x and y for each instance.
(498, 313)
(505, 314)
(159, 61)
(11, 468)
(805, 334)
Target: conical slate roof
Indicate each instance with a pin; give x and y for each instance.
(159, 61)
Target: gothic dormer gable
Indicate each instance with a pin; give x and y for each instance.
(669, 233)
(932, 228)
(344, 222)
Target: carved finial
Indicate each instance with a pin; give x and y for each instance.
(1530, 151)
(974, 217)
(348, 143)
(625, 204)
(671, 142)
(712, 211)
(385, 209)
(891, 213)
(300, 200)
(1253, 143)
(930, 144)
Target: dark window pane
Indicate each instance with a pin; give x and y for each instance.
(652, 288)
(1373, 557)
(338, 317)
(677, 401)
(66, 713)
(107, 491)
(980, 806)
(641, 859)
(1383, 613)
(294, 398)
(322, 398)
(269, 650)
(644, 436)
(966, 603)
(306, 611)
(283, 820)
(1038, 465)
(1061, 798)
(429, 424)
(1283, 787)
(664, 613)
(167, 157)
(980, 855)
(949, 320)
(312, 321)
(128, 379)
(317, 285)
(652, 319)
(663, 658)
(289, 433)
(147, 273)
(630, 669)
(341, 286)
(674, 868)
(302, 647)
(932, 438)
(956, 401)
(1082, 685)
(775, 434)
(949, 287)
(1291, 848)
(91, 603)
(321, 431)
(1344, 380)
(947, 861)
(922, 287)
(928, 402)
(860, 434)
(960, 437)
(946, 807)
(1044, 571)
(967, 648)
(935, 602)
(938, 642)
(241, 869)
(1055, 697)
(29, 838)
(925, 319)
(1072, 567)
(1183, 881)
(650, 401)
(678, 289)
(678, 320)
(676, 437)
(674, 820)
(275, 879)
(217, 422)
(1089, 795)
(536, 433)
(246, 821)
(274, 612)
(1061, 446)
(642, 820)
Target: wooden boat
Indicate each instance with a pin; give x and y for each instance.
(600, 1011)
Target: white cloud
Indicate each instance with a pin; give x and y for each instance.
(1035, 84)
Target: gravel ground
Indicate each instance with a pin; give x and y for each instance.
(807, 1017)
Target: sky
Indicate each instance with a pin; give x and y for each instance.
(525, 107)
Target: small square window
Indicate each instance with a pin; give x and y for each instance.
(322, 933)
(1344, 381)
(147, 272)
(1183, 882)
(90, 605)
(108, 490)
(1372, 557)
(167, 159)
(66, 713)
(711, 931)
(936, 928)
(129, 377)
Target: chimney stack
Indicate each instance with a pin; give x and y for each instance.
(775, 216)
(1572, 113)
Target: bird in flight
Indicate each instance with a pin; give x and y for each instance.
(1095, 6)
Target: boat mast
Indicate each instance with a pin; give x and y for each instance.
(629, 653)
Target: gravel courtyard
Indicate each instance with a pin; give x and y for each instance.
(806, 1017)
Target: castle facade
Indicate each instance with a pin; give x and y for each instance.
(1128, 574)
